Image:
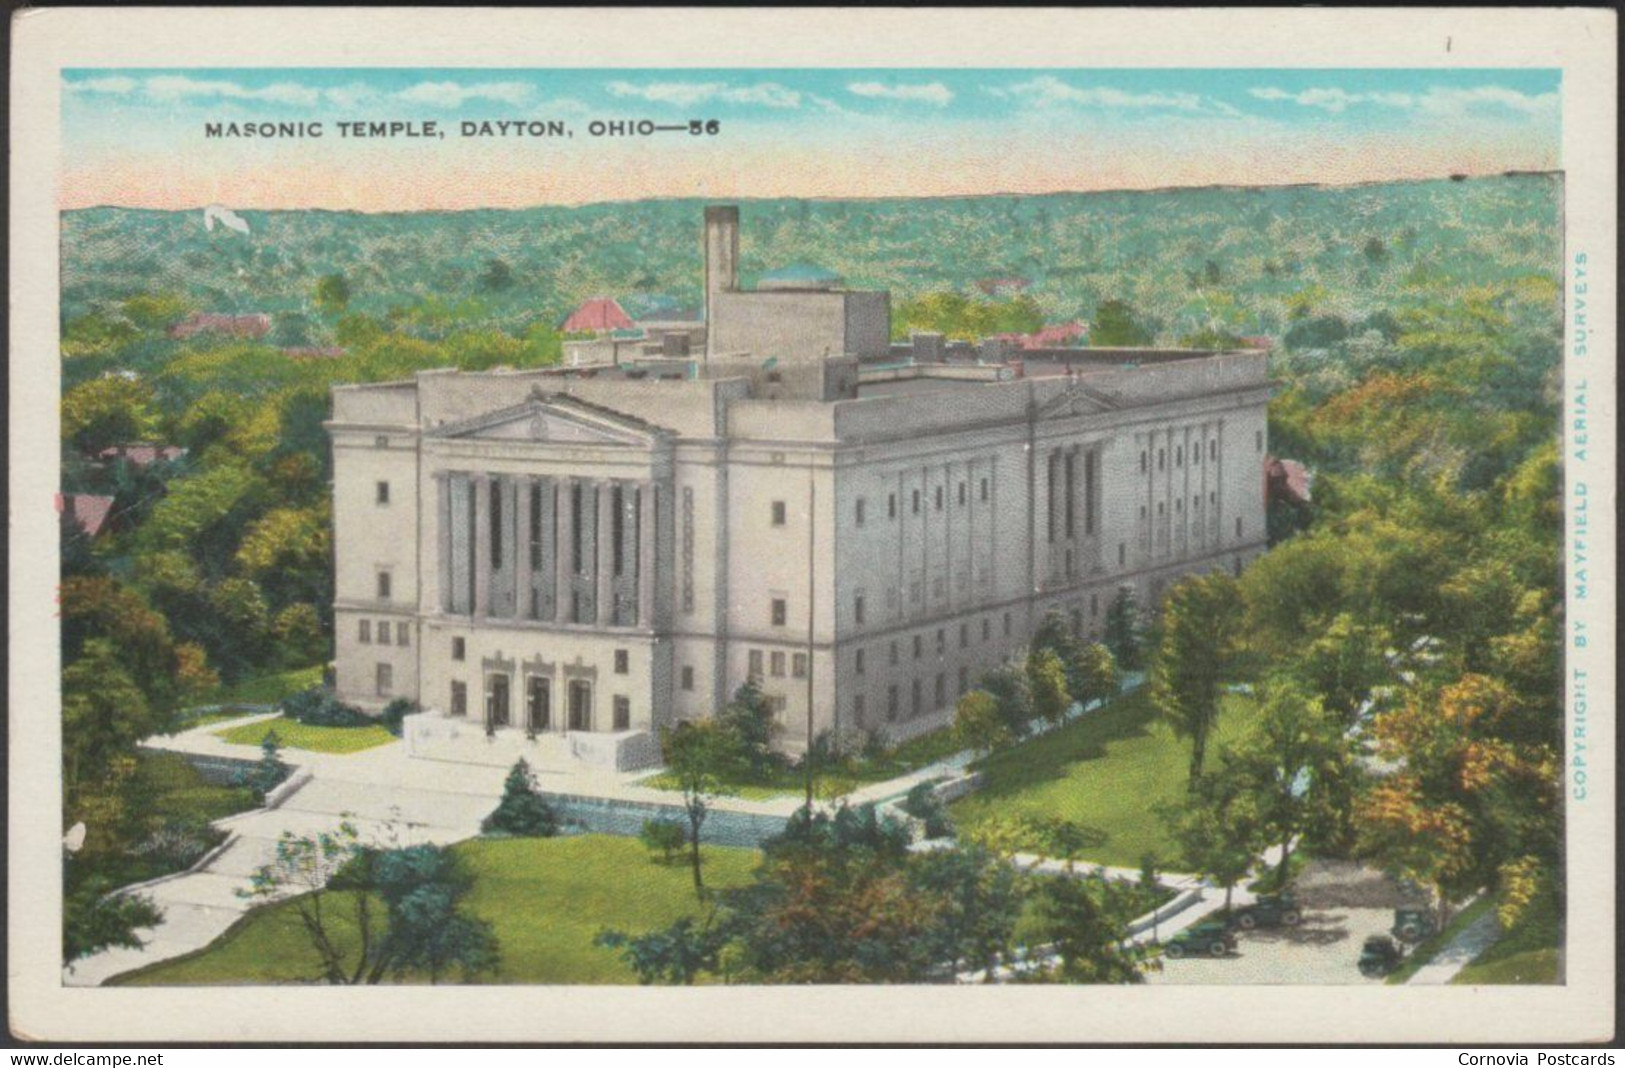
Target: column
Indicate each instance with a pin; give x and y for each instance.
(442, 489)
(524, 493)
(563, 555)
(646, 553)
(481, 488)
(604, 543)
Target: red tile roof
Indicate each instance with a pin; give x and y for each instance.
(89, 511)
(141, 454)
(597, 316)
(251, 326)
(1286, 480)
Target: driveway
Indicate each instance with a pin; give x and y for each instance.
(1323, 950)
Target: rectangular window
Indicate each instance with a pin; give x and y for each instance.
(1142, 461)
(779, 611)
(459, 698)
(621, 662)
(383, 492)
(940, 696)
(919, 646)
(987, 629)
(891, 506)
(857, 662)
(1213, 449)
(776, 660)
(1238, 526)
(961, 494)
(1179, 456)
(403, 634)
(916, 502)
(459, 649)
(1122, 554)
(688, 677)
(385, 679)
(939, 498)
(623, 713)
(858, 510)
(1071, 471)
(756, 663)
(535, 539)
(1007, 624)
(383, 632)
(778, 513)
(857, 609)
(891, 657)
(1162, 459)
(942, 641)
(798, 666)
(859, 710)
(364, 631)
(984, 489)
(380, 442)
(891, 702)
(383, 585)
(964, 635)
(915, 702)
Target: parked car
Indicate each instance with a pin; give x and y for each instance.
(1210, 937)
(1270, 910)
(1413, 924)
(1380, 956)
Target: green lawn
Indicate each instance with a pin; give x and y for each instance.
(545, 897)
(1429, 947)
(832, 783)
(1528, 953)
(295, 735)
(1105, 773)
(268, 689)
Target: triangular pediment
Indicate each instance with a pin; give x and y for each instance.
(555, 419)
(1077, 399)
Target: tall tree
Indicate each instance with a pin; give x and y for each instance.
(702, 756)
(1201, 618)
(1046, 681)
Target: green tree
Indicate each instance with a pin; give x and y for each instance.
(1122, 633)
(332, 292)
(665, 837)
(980, 903)
(428, 932)
(496, 276)
(702, 756)
(94, 918)
(156, 312)
(1201, 617)
(523, 811)
(1116, 326)
(1046, 680)
(107, 411)
(104, 713)
(1087, 945)
(1217, 830)
(978, 724)
(299, 637)
(1007, 684)
(749, 717)
(1094, 675)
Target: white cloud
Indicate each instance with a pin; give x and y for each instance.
(453, 94)
(1437, 101)
(923, 93)
(351, 96)
(687, 94)
(112, 84)
(1048, 90)
(172, 87)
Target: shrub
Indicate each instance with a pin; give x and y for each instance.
(665, 837)
(269, 770)
(317, 707)
(923, 804)
(396, 711)
(523, 811)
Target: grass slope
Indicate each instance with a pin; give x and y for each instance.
(1106, 772)
(295, 735)
(545, 897)
(1528, 953)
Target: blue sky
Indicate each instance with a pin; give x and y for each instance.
(802, 132)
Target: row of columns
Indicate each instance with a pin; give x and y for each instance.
(640, 502)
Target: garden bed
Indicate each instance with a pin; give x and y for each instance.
(295, 735)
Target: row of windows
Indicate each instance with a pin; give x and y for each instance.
(459, 651)
(1196, 453)
(776, 666)
(365, 632)
(860, 507)
(916, 698)
(940, 644)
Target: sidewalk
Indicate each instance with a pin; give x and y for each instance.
(1465, 948)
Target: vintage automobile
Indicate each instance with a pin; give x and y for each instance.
(1413, 924)
(1209, 937)
(1270, 910)
(1379, 956)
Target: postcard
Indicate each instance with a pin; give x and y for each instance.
(809, 525)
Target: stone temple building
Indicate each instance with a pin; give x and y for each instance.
(574, 557)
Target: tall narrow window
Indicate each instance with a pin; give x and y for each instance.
(857, 512)
(984, 489)
(496, 493)
(1070, 472)
(383, 585)
(617, 526)
(383, 493)
(778, 513)
(385, 680)
(364, 631)
(403, 634)
(779, 612)
(1091, 474)
(857, 609)
(535, 539)
(459, 698)
(891, 506)
(623, 713)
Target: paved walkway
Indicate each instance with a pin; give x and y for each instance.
(1463, 949)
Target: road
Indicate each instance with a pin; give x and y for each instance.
(1323, 950)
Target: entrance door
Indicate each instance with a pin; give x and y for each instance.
(496, 701)
(539, 704)
(580, 706)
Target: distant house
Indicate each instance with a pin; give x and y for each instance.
(600, 315)
(1003, 287)
(1286, 481)
(255, 325)
(141, 453)
(89, 512)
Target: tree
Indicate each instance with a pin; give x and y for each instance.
(1046, 680)
(1116, 326)
(299, 638)
(332, 292)
(1217, 831)
(701, 756)
(678, 954)
(107, 411)
(1151, 885)
(1343, 665)
(104, 713)
(1007, 684)
(497, 276)
(922, 803)
(665, 837)
(1122, 633)
(1094, 675)
(1200, 618)
(978, 724)
(1286, 763)
(980, 901)
(523, 811)
(749, 717)
(1088, 947)
(422, 887)
(94, 919)
(269, 770)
